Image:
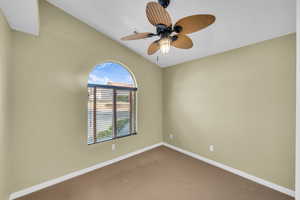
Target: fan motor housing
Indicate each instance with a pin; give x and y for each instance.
(177, 29)
(163, 30)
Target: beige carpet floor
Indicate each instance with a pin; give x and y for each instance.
(158, 174)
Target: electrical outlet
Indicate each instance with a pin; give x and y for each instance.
(113, 147)
(171, 136)
(211, 148)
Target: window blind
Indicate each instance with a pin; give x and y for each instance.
(111, 112)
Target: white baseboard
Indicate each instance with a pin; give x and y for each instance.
(52, 182)
(234, 171)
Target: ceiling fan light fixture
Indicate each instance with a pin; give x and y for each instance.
(159, 17)
(165, 45)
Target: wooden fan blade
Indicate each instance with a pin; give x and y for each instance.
(156, 14)
(182, 42)
(195, 23)
(137, 36)
(154, 47)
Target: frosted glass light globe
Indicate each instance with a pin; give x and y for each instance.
(165, 45)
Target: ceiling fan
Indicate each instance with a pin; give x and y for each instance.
(168, 34)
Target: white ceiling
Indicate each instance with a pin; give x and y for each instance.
(22, 15)
(239, 23)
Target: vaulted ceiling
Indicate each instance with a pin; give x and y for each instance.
(22, 15)
(238, 23)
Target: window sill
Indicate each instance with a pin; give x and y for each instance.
(119, 137)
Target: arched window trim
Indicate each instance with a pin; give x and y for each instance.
(132, 99)
(121, 64)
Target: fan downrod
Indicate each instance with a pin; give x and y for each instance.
(164, 3)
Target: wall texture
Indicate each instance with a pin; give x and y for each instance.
(298, 106)
(49, 105)
(5, 55)
(243, 103)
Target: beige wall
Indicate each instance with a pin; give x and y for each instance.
(5, 54)
(50, 75)
(298, 106)
(242, 102)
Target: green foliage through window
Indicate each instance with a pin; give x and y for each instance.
(123, 98)
(109, 132)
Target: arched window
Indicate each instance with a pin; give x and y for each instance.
(111, 103)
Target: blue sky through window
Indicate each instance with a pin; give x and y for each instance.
(110, 72)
